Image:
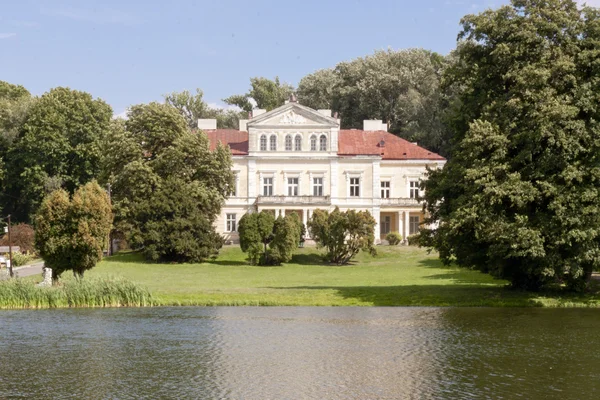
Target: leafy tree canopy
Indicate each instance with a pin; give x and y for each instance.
(72, 232)
(402, 88)
(266, 93)
(520, 196)
(58, 145)
(168, 186)
(193, 107)
(343, 234)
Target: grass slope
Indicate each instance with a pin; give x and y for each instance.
(397, 276)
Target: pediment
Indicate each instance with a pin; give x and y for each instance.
(292, 115)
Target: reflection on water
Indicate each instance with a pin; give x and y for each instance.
(300, 353)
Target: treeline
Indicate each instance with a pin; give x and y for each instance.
(167, 186)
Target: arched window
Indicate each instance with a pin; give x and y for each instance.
(288, 142)
(273, 143)
(313, 143)
(298, 143)
(323, 143)
(263, 143)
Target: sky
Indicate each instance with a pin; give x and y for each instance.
(132, 51)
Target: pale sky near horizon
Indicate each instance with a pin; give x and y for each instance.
(133, 51)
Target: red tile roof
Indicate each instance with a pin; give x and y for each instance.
(236, 140)
(351, 142)
(354, 142)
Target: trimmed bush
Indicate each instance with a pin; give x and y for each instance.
(413, 240)
(99, 292)
(20, 259)
(393, 238)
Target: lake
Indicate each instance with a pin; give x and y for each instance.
(300, 353)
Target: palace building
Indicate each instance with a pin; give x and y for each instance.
(296, 159)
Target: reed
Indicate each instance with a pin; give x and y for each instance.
(88, 292)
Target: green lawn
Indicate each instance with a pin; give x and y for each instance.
(397, 276)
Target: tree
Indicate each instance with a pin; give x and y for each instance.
(316, 90)
(21, 235)
(267, 240)
(343, 234)
(402, 88)
(266, 93)
(57, 146)
(256, 232)
(520, 196)
(168, 186)
(193, 107)
(71, 233)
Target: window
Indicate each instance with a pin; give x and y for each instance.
(313, 143)
(293, 186)
(414, 189)
(231, 225)
(288, 143)
(263, 143)
(354, 187)
(317, 186)
(413, 225)
(385, 190)
(267, 186)
(386, 225)
(298, 143)
(323, 143)
(273, 143)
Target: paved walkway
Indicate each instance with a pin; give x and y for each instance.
(25, 270)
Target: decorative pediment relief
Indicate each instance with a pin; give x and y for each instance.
(292, 114)
(291, 118)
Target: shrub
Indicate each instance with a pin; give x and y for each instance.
(344, 234)
(20, 259)
(21, 235)
(413, 240)
(269, 241)
(393, 238)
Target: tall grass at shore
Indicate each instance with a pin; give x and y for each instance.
(88, 292)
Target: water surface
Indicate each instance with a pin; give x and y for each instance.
(300, 353)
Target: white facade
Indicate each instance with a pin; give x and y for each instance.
(298, 160)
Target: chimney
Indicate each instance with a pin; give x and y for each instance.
(326, 113)
(293, 98)
(243, 124)
(206, 124)
(372, 125)
(258, 111)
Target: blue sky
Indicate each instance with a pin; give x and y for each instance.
(130, 51)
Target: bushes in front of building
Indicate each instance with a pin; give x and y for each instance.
(269, 241)
(343, 234)
(393, 238)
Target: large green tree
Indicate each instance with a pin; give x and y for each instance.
(57, 146)
(402, 88)
(71, 233)
(266, 93)
(520, 197)
(168, 186)
(193, 107)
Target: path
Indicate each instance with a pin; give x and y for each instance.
(25, 270)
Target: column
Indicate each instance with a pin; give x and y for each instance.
(333, 181)
(406, 225)
(377, 215)
(251, 181)
(399, 221)
(376, 182)
(305, 216)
